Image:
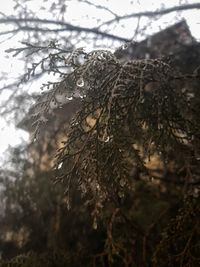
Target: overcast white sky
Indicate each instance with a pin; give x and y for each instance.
(75, 14)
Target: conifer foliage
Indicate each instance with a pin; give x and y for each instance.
(129, 114)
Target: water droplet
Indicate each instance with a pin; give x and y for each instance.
(60, 165)
(122, 182)
(98, 186)
(99, 57)
(190, 95)
(80, 82)
(95, 223)
(69, 98)
(53, 104)
(121, 194)
(68, 203)
(125, 46)
(74, 123)
(106, 139)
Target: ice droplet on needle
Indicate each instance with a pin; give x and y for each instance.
(125, 46)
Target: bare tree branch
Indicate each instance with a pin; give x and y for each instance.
(66, 27)
(99, 7)
(151, 14)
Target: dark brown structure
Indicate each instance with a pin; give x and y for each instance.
(162, 44)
